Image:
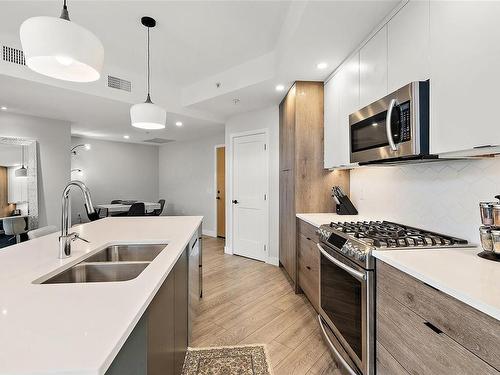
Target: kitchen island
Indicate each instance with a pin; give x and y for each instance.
(79, 328)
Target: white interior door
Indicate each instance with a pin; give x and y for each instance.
(249, 196)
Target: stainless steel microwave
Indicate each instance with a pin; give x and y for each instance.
(394, 128)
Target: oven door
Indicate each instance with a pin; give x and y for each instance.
(387, 128)
(346, 305)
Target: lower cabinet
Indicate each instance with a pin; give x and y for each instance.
(308, 261)
(158, 343)
(421, 330)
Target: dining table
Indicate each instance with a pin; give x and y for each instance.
(111, 208)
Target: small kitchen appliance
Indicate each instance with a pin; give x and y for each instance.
(347, 283)
(489, 232)
(394, 128)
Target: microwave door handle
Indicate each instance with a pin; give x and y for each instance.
(355, 273)
(388, 129)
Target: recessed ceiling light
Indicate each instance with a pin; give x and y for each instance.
(322, 65)
(3, 108)
(280, 88)
(178, 123)
(126, 136)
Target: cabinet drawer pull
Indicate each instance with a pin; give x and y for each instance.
(309, 268)
(308, 238)
(433, 327)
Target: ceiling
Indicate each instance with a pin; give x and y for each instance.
(247, 46)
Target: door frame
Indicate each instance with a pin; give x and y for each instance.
(228, 249)
(215, 186)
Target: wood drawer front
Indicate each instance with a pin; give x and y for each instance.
(472, 329)
(417, 347)
(386, 364)
(308, 230)
(309, 269)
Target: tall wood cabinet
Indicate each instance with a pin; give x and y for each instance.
(304, 184)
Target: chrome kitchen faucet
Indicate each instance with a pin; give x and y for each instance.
(65, 239)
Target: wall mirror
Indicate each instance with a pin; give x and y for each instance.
(18, 189)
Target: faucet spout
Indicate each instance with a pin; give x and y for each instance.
(65, 239)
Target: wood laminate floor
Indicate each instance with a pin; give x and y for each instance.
(250, 302)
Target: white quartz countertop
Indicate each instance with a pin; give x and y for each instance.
(458, 272)
(79, 328)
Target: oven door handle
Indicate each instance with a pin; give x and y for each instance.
(334, 350)
(388, 130)
(355, 273)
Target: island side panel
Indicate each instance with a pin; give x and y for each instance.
(133, 357)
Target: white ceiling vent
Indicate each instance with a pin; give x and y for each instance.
(119, 83)
(13, 55)
(158, 141)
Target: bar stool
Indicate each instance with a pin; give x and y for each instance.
(14, 226)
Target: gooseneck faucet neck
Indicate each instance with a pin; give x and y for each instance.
(66, 238)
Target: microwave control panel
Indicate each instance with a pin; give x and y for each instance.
(405, 134)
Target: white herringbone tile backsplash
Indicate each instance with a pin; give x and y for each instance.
(439, 196)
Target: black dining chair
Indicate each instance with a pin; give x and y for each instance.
(159, 210)
(137, 209)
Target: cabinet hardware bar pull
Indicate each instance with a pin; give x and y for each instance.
(433, 327)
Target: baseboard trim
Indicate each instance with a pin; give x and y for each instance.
(209, 233)
(227, 250)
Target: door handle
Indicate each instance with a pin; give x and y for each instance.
(388, 128)
(235, 201)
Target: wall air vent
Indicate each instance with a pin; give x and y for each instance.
(13, 55)
(120, 84)
(158, 141)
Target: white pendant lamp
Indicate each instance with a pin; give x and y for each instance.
(23, 171)
(148, 115)
(62, 49)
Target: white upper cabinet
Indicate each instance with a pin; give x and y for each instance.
(341, 99)
(408, 45)
(465, 78)
(373, 68)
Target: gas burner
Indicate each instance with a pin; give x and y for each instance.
(385, 234)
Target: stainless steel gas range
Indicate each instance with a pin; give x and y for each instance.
(347, 283)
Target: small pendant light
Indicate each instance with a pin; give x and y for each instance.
(148, 115)
(23, 171)
(61, 49)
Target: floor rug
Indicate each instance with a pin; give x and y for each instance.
(227, 360)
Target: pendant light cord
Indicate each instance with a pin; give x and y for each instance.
(149, 98)
(64, 12)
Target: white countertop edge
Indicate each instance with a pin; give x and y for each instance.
(112, 355)
(457, 294)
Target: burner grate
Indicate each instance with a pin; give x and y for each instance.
(384, 234)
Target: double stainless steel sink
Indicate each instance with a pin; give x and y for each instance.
(114, 263)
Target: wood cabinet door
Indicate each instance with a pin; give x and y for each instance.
(287, 130)
(408, 45)
(373, 68)
(465, 56)
(418, 347)
(287, 223)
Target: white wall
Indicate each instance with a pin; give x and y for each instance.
(114, 170)
(187, 178)
(54, 143)
(441, 196)
(262, 119)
